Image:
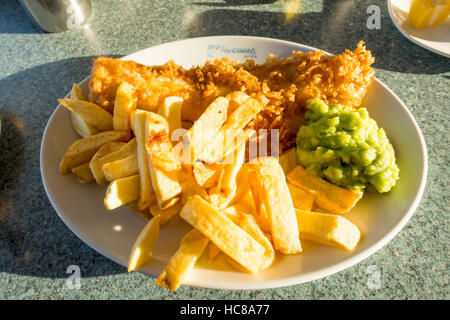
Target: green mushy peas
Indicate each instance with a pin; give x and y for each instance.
(345, 146)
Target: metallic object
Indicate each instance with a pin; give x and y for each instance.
(58, 15)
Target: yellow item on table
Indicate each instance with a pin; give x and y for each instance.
(428, 13)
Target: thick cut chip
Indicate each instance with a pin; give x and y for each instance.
(122, 191)
(83, 128)
(145, 244)
(220, 142)
(225, 234)
(91, 113)
(121, 168)
(163, 165)
(83, 173)
(147, 195)
(166, 214)
(258, 191)
(301, 198)
(96, 165)
(125, 103)
(328, 229)
(248, 223)
(213, 251)
(203, 129)
(206, 175)
(170, 109)
(183, 261)
(288, 160)
(327, 196)
(274, 193)
(190, 187)
(222, 194)
(81, 151)
(77, 93)
(106, 149)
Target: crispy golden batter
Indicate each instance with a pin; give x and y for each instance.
(282, 85)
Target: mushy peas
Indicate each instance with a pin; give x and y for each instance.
(345, 146)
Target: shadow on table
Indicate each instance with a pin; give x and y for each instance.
(14, 19)
(340, 25)
(33, 239)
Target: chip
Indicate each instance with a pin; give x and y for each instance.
(170, 109)
(83, 128)
(273, 192)
(81, 151)
(147, 195)
(206, 175)
(121, 168)
(288, 160)
(122, 191)
(327, 196)
(96, 165)
(328, 229)
(225, 234)
(83, 173)
(183, 261)
(222, 194)
(168, 213)
(125, 103)
(301, 198)
(164, 166)
(91, 113)
(145, 244)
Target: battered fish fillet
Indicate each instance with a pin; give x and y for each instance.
(282, 85)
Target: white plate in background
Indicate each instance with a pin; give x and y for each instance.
(112, 233)
(436, 39)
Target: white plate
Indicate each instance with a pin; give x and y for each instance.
(435, 39)
(379, 217)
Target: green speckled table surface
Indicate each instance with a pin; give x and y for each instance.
(36, 68)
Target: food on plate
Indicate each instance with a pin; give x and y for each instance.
(328, 229)
(81, 151)
(167, 213)
(223, 193)
(248, 223)
(428, 13)
(144, 245)
(147, 195)
(123, 151)
(221, 141)
(83, 173)
(282, 85)
(272, 191)
(215, 174)
(346, 147)
(162, 162)
(170, 109)
(125, 103)
(206, 175)
(183, 261)
(301, 198)
(327, 196)
(89, 112)
(121, 168)
(83, 128)
(225, 234)
(122, 191)
(288, 160)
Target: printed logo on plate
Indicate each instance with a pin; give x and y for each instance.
(237, 53)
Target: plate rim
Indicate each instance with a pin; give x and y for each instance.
(410, 38)
(290, 280)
